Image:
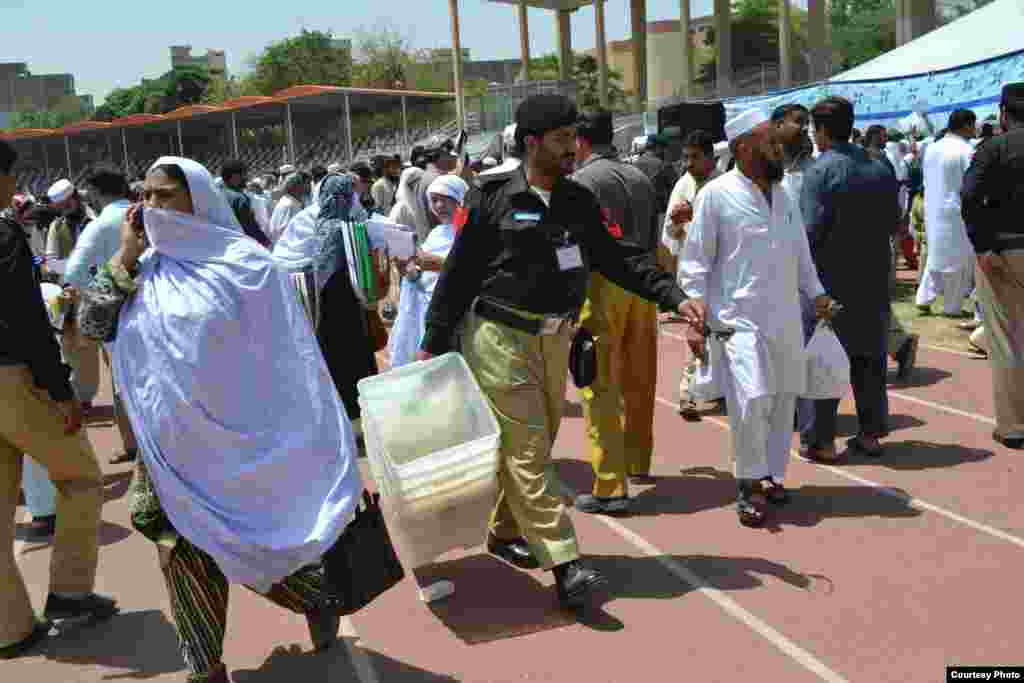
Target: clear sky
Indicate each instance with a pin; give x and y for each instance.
(114, 43)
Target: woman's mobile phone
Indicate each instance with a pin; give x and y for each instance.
(137, 220)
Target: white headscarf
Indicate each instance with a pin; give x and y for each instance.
(238, 421)
(407, 185)
(451, 186)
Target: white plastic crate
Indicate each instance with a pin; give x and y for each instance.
(430, 433)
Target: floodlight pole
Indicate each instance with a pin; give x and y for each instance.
(460, 96)
(405, 122)
(124, 145)
(291, 133)
(67, 154)
(234, 135)
(181, 144)
(348, 126)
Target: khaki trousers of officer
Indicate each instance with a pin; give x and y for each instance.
(83, 355)
(30, 422)
(619, 406)
(524, 377)
(1002, 307)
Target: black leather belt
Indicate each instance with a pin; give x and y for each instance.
(534, 326)
(1007, 241)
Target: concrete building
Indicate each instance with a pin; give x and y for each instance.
(20, 90)
(503, 71)
(664, 77)
(214, 61)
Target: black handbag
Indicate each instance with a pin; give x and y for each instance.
(362, 564)
(583, 359)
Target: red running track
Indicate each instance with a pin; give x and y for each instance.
(880, 570)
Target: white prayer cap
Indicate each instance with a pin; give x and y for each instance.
(286, 169)
(334, 168)
(745, 122)
(721, 148)
(60, 191)
(449, 186)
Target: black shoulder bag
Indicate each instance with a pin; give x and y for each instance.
(363, 564)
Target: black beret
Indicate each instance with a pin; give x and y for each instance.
(538, 114)
(1013, 93)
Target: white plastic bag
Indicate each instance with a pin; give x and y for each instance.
(828, 367)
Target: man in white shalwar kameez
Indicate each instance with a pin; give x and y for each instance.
(949, 266)
(747, 262)
(699, 382)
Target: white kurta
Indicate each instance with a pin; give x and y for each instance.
(751, 263)
(287, 209)
(700, 381)
(944, 167)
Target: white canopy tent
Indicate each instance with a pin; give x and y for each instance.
(992, 31)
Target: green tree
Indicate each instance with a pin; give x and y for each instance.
(62, 111)
(862, 30)
(586, 74)
(755, 41)
(382, 57)
(311, 58)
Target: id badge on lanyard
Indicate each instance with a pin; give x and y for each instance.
(569, 255)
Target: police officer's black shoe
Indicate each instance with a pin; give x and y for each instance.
(27, 644)
(574, 583)
(90, 606)
(515, 551)
(596, 505)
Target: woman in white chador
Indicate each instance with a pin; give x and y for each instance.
(422, 272)
(247, 470)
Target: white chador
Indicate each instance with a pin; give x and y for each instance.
(751, 263)
(949, 264)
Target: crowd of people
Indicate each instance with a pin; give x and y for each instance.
(233, 324)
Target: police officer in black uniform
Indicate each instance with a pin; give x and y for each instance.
(513, 284)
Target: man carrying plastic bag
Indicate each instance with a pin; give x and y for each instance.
(828, 366)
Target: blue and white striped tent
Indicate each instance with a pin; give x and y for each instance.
(961, 65)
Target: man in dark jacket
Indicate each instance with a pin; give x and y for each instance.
(993, 198)
(233, 174)
(849, 205)
(41, 416)
(619, 405)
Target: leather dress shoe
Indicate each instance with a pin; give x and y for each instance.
(515, 551)
(1013, 442)
(596, 505)
(91, 606)
(574, 583)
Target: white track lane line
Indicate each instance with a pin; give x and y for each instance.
(725, 603)
(885, 490)
(942, 408)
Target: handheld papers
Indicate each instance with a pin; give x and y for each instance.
(399, 240)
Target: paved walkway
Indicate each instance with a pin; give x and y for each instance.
(879, 570)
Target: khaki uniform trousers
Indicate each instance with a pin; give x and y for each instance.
(524, 378)
(31, 422)
(83, 355)
(619, 405)
(1002, 307)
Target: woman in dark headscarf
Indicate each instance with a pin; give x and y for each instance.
(340, 317)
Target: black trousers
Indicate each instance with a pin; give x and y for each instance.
(345, 340)
(817, 419)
